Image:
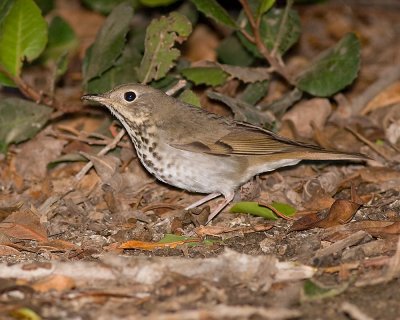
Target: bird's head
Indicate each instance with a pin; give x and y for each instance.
(128, 100)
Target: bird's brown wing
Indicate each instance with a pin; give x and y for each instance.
(242, 139)
(212, 134)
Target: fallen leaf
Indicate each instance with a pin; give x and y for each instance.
(144, 245)
(57, 245)
(23, 225)
(8, 251)
(217, 230)
(384, 98)
(55, 282)
(341, 212)
(31, 162)
(309, 114)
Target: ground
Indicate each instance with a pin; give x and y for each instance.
(111, 242)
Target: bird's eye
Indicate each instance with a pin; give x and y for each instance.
(129, 96)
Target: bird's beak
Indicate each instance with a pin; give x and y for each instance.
(95, 98)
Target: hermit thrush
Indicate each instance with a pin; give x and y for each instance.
(192, 149)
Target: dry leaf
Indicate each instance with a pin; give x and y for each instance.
(31, 163)
(8, 251)
(54, 282)
(308, 115)
(144, 245)
(23, 225)
(389, 96)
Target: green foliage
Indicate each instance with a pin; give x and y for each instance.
(334, 69)
(123, 71)
(62, 40)
(254, 92)
(23, 35)
(231, 51)
(272, 29)
(20, 120)
(313, 291)
(188, 96)
(125, 52)
(157, 3)
(5, 6)
(255, 209)
(212, 76)
(109, 42)
(45, 5)
(159, 55)
(106, 6)
(169, 238)
(248, 75)
(265, 5)
(212, 9)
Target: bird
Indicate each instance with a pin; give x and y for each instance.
(192, 149)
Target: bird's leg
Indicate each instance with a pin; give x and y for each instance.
(203, 200)
(220, 207)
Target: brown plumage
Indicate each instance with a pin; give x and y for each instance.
(198, 151)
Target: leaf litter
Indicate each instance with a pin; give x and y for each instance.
(63, 245)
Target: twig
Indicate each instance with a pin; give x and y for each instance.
(277, 212)
(387, 77)
(102, 152)
(92, 142)
(161, 205)
(368, 143)
(179, 85)
(273, 61)
(353, 311)
(278, 40)
(38, 97)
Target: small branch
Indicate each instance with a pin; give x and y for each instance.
(38, 97)
(388, 76)
(248, 36)
(179, 85)
(102, 152)
(369, 144)
(278, 40)
(249, 14)
(273, 60)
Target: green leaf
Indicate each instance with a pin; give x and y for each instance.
(245, 74)
(231, 51)
(212, 76)
(243, 111)
(122, 72)
(333, 70)
(269, 29)
(188, 96)
(24, 313)
(265, 5)
(254, 92)
(159, 55)
(284, 208)
(106, 6)
(313, 291)
(157, 3)
(169, 237)
(110, 42)
(5, 6)
(69, 157)
(45, 6)
(23, 34)
(20, 120)
(62, 39)
(255, 209)
(212, 9)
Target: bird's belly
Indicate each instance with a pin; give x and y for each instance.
(196, 172)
